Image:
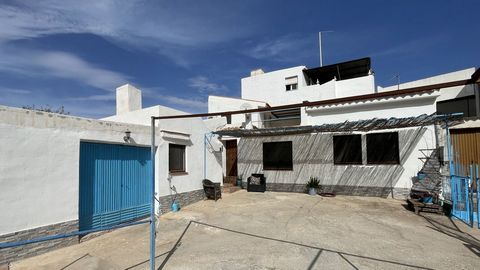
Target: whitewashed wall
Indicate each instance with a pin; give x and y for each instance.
(194, 131)
(270, 87)
(406, 106)
(221, 104)
(313, 156)
(39, 164)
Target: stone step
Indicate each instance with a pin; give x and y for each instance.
(229, 179)
(230, 188)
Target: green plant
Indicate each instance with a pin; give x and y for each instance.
(313, 183)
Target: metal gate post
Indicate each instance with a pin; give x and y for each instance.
(152, 206)
(477, 179)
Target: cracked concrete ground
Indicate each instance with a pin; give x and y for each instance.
(281, 231)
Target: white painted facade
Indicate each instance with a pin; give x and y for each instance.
(39, 164)
(190, 132)
(39, 160)
(270, 87)
(402, 106)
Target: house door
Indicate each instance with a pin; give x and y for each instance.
(231, 157)
(466, 149)
(114, 184)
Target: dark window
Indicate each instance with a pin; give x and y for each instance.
(382, 148)
(347, 149)
(290, 87)
(465, 105)
(229, 119)
(277, 156)
(176, 158)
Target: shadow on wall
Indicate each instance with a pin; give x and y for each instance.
(313, 156)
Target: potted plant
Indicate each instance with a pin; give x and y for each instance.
(313, 185)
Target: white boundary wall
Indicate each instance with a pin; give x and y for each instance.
(39, 161)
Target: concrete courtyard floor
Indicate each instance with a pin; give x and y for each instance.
(281, 231)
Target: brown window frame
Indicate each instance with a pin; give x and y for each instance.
(172, 146)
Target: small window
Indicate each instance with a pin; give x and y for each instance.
(229, 119)
(176, 158)
(291, 83)
(382, 148)
(347, 149)
(277, 156)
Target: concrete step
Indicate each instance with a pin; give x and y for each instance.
(229, 179)
(230, 188)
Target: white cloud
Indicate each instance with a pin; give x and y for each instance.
(14, 91)
(411, 46)
(58, 64)
(281, 49)
(188, 104)
(204, 86)
(158, 94)
(106, 97)
(169, 28)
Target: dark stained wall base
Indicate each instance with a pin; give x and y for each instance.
(382, 192)
(184, 199)
(16, 253)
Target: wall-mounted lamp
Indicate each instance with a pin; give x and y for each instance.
(126, 138)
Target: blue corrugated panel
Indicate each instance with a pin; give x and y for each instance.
(114, 184)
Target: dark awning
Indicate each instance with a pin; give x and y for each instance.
(342, 71)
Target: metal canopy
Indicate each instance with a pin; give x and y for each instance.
(347, 126)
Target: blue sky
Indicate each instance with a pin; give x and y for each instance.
(75, 53)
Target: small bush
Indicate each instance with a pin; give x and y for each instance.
(313, 183)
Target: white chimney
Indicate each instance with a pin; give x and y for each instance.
(256, 72)
(129, 99)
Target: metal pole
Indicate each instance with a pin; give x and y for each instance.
(320, 45)
(205, 156)
(152, 206)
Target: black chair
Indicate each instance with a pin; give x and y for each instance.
(256, 183)
(212, 190)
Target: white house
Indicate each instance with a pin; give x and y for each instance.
(360, 158)
(61, 173)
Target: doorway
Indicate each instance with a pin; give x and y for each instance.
(231, 156)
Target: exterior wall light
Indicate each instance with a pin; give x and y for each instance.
(126, 138)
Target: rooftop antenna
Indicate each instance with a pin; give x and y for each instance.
(320, 45)
(397, 76)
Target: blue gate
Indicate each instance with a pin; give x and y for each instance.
(465, 197)
(114, 184)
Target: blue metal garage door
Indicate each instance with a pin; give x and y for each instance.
(114, 184)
